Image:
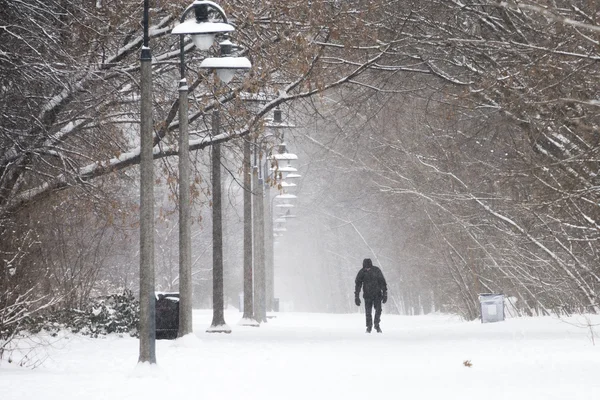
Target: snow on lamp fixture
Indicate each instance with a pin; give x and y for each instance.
(202, 31)
(226, 66)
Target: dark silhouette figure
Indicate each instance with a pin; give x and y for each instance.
(371, 280)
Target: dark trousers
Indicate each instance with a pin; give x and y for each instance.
(369, 305)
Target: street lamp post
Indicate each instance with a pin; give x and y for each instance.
(185, 245)
(218, 323)
(259, 240)
(254, 237)
(147, 306)
(258, 234)
(203, 33)
(248, 316)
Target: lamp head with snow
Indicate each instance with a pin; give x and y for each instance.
(226, 66)
(202, 30)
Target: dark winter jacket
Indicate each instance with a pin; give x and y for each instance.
(371, 280)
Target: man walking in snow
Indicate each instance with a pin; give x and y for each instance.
(371, 280)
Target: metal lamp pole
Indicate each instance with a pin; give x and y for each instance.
(203, 32)
(260, 311)
(248, 316)
(218, 322)
(147, 301)
(185, 246)
(268, 258)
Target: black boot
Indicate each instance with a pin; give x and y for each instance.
(378, 329)
(368, 329)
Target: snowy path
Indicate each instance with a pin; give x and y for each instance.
(319, 356)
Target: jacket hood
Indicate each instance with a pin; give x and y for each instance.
(367, 263)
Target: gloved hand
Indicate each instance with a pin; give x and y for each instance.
(357, 301)
(384, 299)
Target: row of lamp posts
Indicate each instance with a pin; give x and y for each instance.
(280, 207)
(203, 32)
(260, 174)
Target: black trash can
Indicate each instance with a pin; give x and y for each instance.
(167, 315)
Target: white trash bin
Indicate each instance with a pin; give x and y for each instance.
(492, 307)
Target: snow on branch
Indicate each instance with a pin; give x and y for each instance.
(550, 14)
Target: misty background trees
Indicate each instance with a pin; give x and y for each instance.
(454, 143)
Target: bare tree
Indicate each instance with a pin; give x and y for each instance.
(498, 79)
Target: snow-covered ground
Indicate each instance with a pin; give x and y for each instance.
(320, 356)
